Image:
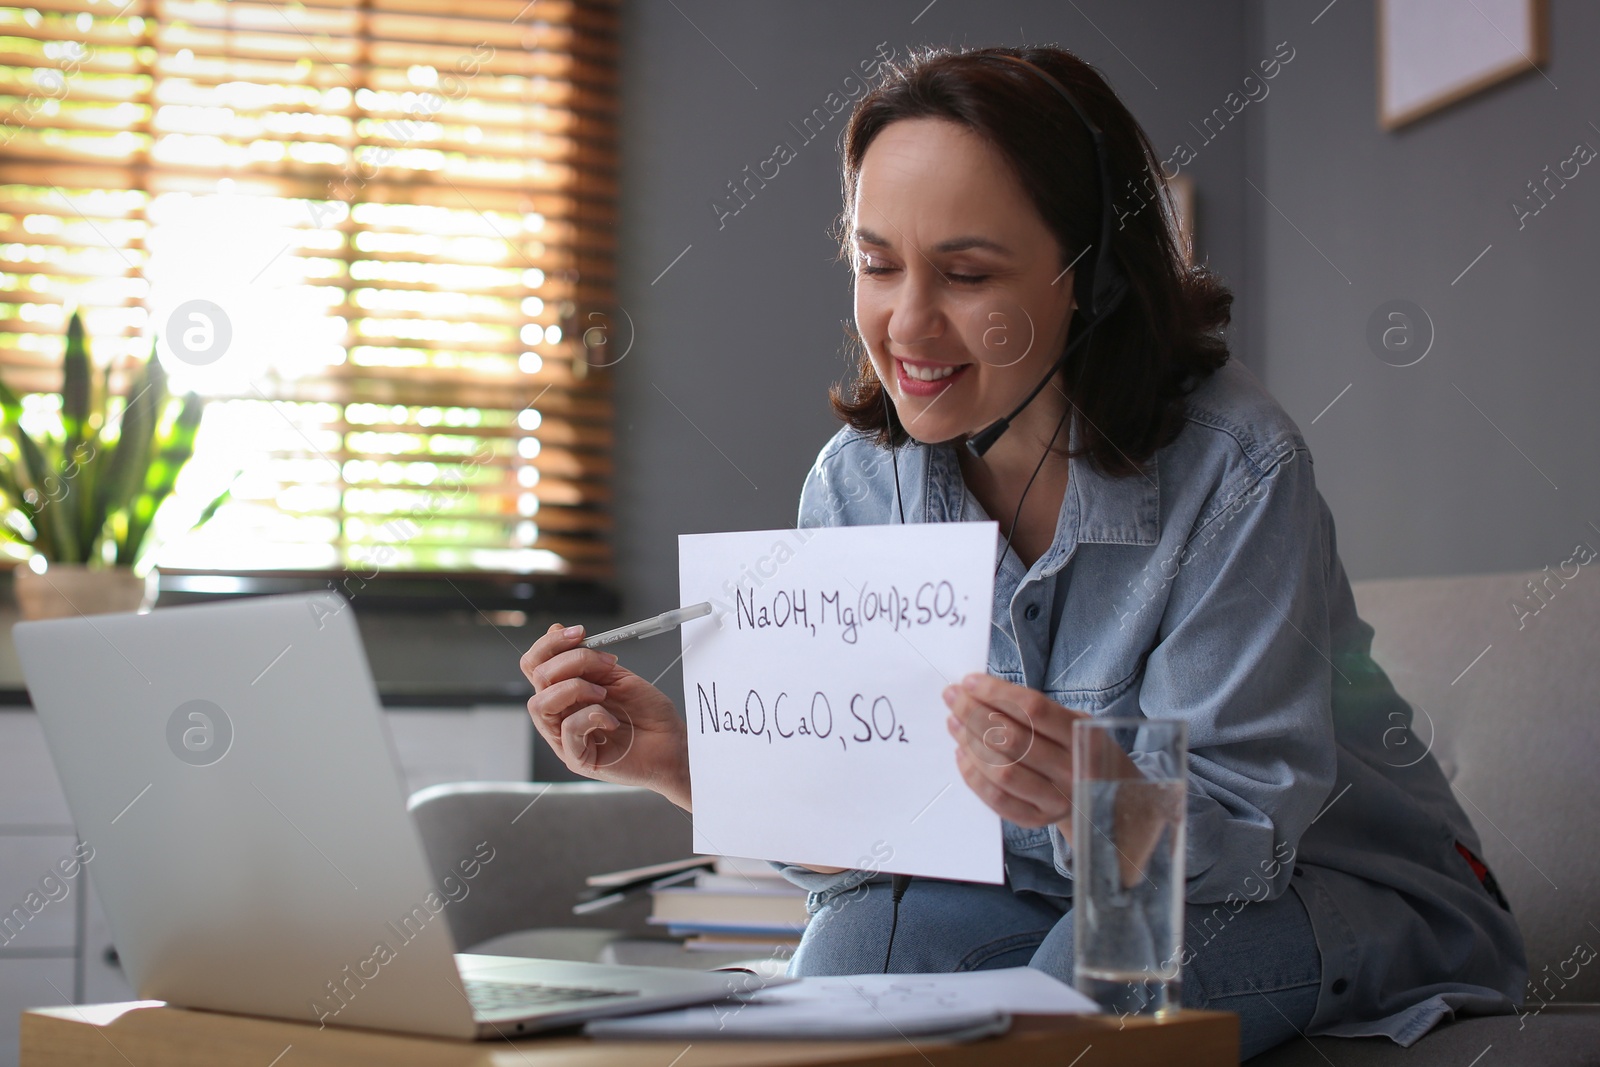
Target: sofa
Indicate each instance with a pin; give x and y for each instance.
(1503, 671)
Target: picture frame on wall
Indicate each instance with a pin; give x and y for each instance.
(1434, 53)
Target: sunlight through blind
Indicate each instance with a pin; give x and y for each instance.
(402, 213)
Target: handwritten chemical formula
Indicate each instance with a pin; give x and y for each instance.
(870, 718)
(849, 613)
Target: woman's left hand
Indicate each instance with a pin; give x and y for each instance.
(1014, 748)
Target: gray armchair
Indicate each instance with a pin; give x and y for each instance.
(547, 837)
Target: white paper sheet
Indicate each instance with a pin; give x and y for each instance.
(816, 726)
(864, 1006)
(1018, 990)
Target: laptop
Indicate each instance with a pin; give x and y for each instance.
(229, 766)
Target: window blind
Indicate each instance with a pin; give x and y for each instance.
(399, 217)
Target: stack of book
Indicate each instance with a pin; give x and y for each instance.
(737, 906)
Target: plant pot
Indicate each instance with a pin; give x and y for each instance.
(65, 590)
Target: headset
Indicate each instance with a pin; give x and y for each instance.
(1106, 287)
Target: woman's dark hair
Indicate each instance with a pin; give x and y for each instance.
(1127, 383)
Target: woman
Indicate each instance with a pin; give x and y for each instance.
(1166, 554)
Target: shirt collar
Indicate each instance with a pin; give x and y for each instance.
(1108, 509)
(1115, 510)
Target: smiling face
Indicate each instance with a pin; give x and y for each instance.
(960, 295)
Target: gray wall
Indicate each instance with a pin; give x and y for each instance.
(1421, 482)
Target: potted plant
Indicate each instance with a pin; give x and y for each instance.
(80, 487)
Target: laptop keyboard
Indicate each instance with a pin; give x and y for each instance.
(496, 998)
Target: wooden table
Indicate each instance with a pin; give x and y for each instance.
(147, 1033)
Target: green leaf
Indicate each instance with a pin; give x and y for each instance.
(9, 487)
(75, 384)
(17, 518)
(172, 448)
(11, 533)
(65, 507)
(55, 538)
(211, 509)
(130, 458)
(64, 488)
(103, 397)
(32, 456)
(82, 472)
(29, 513)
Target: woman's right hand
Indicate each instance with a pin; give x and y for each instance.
(604, 721)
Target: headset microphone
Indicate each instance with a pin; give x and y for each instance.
(1106, 286)
(983, 440)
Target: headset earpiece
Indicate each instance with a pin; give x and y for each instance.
(1105, 286)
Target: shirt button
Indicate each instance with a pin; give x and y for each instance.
(1339, 986)
(1031, 613)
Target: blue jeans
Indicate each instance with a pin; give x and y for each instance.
(1260, 962)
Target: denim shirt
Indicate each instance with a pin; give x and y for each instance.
(1209, 589)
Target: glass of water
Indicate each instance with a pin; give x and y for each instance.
(1130, 777)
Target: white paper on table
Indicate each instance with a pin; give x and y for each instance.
(816, 725)
(864, 1006)
(1018, 990)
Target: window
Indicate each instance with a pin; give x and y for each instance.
(378, 234)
